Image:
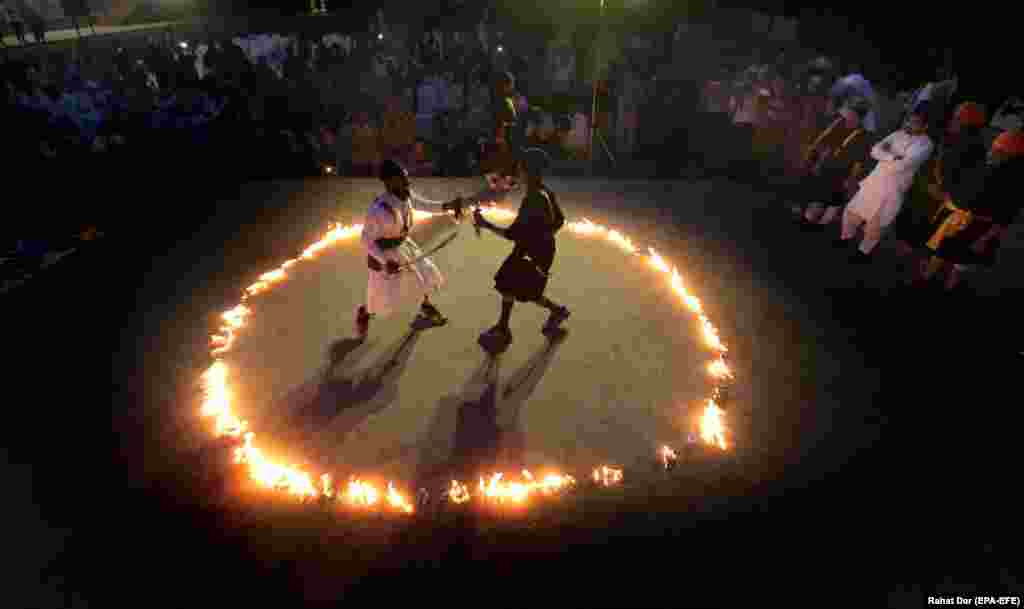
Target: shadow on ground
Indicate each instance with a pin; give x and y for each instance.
(483, 421)
(338, 399)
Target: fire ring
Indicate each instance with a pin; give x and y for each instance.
(294, 481)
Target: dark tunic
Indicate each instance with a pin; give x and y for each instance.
(524, 274)
(995, 199)
(828, 185)
(957, 169)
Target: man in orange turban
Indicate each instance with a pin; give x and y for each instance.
(966, 233)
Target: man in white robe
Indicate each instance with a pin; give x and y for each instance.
(880, 197)
(386, 238)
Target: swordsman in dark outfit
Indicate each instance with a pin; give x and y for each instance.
(524, 275)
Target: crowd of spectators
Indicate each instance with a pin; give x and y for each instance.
(933, 171)
(270, 105)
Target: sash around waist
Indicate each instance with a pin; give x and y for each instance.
(390, 244)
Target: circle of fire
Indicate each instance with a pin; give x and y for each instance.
(359, 493)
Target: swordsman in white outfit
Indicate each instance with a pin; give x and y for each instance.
(880, 197)
(398, 270)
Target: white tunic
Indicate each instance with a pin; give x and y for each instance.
(386, 293)
(881, 193)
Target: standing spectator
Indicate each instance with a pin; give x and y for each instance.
(365, 146)
(967, 232)
(880, 197)
(809, 106)
(38, 24)
(398, 132)
(15, 20)
(773, 120)
(743, 106)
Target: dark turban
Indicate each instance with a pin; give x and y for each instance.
(536, 161)
(391, 168)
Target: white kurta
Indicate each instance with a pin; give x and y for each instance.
(386, 293)
(881, 193)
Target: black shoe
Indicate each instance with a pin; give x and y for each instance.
(362, 323)
(429, 313)
(860, 257)
(555, 320)
(495, 340)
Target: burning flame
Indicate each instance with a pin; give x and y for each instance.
(272, 475)
(397, 501)
(719, 369)
(711, 428)
(458, 493)
(217, 398)
(607, 476)
(668, 456)
(361, 494)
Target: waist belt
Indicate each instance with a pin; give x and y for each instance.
(390, 244)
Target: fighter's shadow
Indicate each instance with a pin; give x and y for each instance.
(483, 421)
(339, 398)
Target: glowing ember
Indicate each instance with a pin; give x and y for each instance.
(711, 335)
(719, 369)
(458, 493)
(271, 475)
(617, 238)
(325, 485)
(217, 402)
(711, 428)
(396, 500)
(607, 476)
(233, 320)
(668, 457)
(657, 261)
(361, 494)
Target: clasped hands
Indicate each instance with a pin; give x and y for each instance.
(456, 205)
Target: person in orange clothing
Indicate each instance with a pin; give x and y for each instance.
(967, 231)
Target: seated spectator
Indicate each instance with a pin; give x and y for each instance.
(398, 132)
(854, 84)
(366, 154)
(948, 174)
(880, 195)
(967, 231)
(835, 161)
